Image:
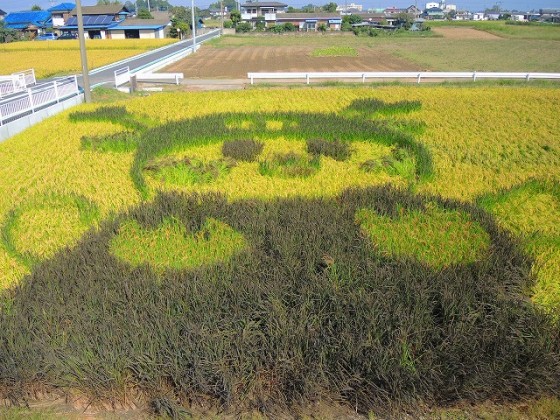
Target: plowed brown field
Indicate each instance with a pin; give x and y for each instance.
(236, 62)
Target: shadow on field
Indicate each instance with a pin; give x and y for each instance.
(310, 309)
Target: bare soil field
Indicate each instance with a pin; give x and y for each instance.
(236, 62)
(464, 33)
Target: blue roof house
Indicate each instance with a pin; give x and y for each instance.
(97, 20)
(32, 22)
(61, 13)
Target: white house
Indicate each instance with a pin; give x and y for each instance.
(479, 16)
(432, 5)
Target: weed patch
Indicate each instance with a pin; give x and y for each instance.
(290, 165)
(335, 149)
(244, 150)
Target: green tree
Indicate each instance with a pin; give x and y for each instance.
(230, 4)
(330, 7)
(292, 10)
(6, 34)
(322, 27)
(235, 17)
(405, 20)
(351, 19)
(107, 2)
(144, 14)
(260, 25)
(36, 7)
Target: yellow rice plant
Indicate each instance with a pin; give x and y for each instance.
(63, 57)
(482, 140)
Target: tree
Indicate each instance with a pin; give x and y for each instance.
(230, 4)
(260, 25)
(351, 19)
(36, 7)
(6, 34)
(330, 7)
(235, 17)
(405, 20)
(322, 28)
(144, 14)
(107, 2)
(180, 22)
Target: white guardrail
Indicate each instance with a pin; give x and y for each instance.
(37, 97)
(418, 76)
(16, 82)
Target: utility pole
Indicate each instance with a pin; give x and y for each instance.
(193, 27)
(83, 54)
(222, 14)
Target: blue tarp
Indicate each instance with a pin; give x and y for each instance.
(62, 7)
(28, 17)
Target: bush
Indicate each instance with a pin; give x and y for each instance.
(228, 24)
(243, 27)
(290, 27)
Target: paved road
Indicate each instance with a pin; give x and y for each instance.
(106, 75)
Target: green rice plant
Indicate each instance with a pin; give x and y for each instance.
(335, 51)
(336, 149)
(244, 150)
(376, 106)
(290, 165)
(433, 235)
(189, 171)
(171, 246)
(531, 211)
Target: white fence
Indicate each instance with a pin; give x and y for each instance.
(16, 82)
(418, 76)
(122, 76)
(37, 97)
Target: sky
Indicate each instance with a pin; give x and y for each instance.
(472, 5)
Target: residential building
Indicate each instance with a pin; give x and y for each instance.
(97, 20)
(139, 28)
(60, 14)
(2, 14)
(311, 21)
(29, 22)
(345, 8)
(267, 9)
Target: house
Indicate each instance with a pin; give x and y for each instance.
(139, 28)
(550, 15)
(434, 13)
(378, 19)
(97, 20)
(479, 16)
(520, 16)
(2, 14)
(60, 14)
(252, 11)
(311, 21)
(29, 22)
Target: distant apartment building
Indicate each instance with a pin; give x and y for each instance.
(349, 7)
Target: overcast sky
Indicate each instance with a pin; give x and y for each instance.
(472, 5)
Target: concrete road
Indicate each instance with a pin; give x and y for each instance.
(106, 75)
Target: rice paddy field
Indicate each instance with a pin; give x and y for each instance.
(55, 58)
(378, 248)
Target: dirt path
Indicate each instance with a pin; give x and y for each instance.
(464, 33)
(235, 63)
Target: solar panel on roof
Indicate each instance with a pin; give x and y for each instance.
(96, 20)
